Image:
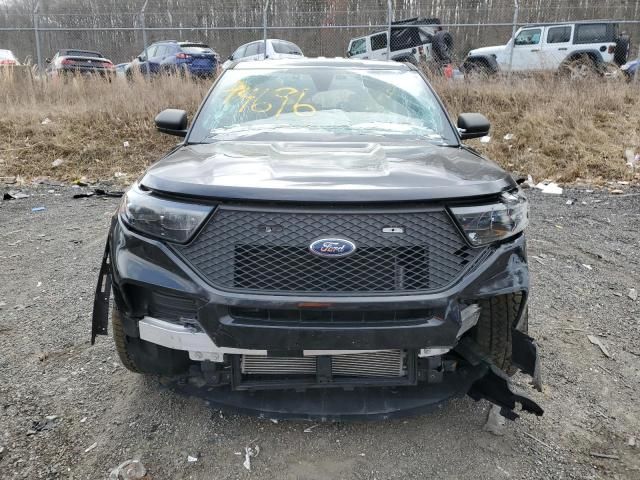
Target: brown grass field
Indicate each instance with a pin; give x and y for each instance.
(565, 131)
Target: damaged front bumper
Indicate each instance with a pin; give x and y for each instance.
(218, 330)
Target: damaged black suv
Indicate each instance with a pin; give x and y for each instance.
(322, 245)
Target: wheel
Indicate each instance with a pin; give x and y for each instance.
(493, 330)
(144, 357)
(477, 71)
(580, 68)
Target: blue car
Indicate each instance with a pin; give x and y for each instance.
(171, 57)
(630, 69)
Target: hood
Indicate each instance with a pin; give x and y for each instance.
(496, 50)
(326, 172)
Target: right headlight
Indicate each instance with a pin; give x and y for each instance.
(160, 217)
(485, 224)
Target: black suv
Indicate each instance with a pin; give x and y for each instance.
(322, 245)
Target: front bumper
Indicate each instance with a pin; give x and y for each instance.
(139, 266)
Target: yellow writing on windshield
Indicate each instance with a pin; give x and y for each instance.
(273, 101)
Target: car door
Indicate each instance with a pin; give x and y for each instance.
(144, 58)
(526, 50)
(379, 46)
(358, 48)
(556, 46)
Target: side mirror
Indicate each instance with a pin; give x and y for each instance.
(473, 125)
(142, 58)
(47, 60)
(348, 54)
(172, 122)
(230, 57)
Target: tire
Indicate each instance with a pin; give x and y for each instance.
(493, 332)
(477, 71)
(143, 357)
(580, 68)
(442, 47)
(623, 47)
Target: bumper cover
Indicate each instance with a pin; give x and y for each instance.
(131, 260)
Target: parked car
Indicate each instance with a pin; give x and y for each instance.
(413, 40)
(7, 58)
(79, 62)
(172, 56)
(121, 69)
(322, 244)
(630, 69)
(276, 49)
(575, 48)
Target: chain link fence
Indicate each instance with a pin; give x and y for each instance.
(122, 31)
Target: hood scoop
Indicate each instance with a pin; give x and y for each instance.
(308, 159)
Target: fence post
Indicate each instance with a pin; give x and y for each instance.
(389, 21)
(636, 75)
(144, 38)
(264, 26)
(516, 11)
(37, 35)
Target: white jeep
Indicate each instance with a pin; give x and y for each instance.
(413, 40)
(577, 48)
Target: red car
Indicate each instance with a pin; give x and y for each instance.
(8, 58)
(79, 62)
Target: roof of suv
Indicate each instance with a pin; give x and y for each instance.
(321, 62)
(577, 22)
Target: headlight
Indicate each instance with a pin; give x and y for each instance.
(158, 217)
(490, 223)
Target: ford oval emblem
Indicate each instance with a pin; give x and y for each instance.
(332, 247)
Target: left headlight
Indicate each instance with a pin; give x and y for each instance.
(162, 218)
(485, 224)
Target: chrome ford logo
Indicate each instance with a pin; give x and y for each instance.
(332, 247)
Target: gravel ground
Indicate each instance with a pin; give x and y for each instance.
(584, 259)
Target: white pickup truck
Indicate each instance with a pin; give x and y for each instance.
(577, 49)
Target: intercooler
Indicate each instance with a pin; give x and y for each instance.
(385, 363)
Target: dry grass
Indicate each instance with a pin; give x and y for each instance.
(562, 131)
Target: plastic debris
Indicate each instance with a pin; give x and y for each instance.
(38, 209)
(129, 470)
(550, 188)
(83, 419)
(617, 191)
(633, 294)
(633, 160)
(310, 429)
(46, 121)
(119, 175)
(495, 422)
(57, 162)
(101, 193)
(596, 341)
(91, 447)
(274, 420)
(508, 136)
(248, 453)
(485, 139)
(14, 195)
(125, 144)
(191, 459)
(571, 201)
(632, 441)
(588, 267)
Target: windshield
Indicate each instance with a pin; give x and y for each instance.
(301, 101)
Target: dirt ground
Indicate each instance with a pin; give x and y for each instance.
(584, 259)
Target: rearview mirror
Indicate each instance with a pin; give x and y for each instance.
(172, 122)
(473, 125)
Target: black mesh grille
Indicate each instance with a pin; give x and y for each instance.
(268, 251)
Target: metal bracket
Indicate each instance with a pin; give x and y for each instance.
(100, 318)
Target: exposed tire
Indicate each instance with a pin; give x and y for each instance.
(477, 70)
(580, 68)
(493, 332)
(143, 357)
(623, 48)
(442, 47)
